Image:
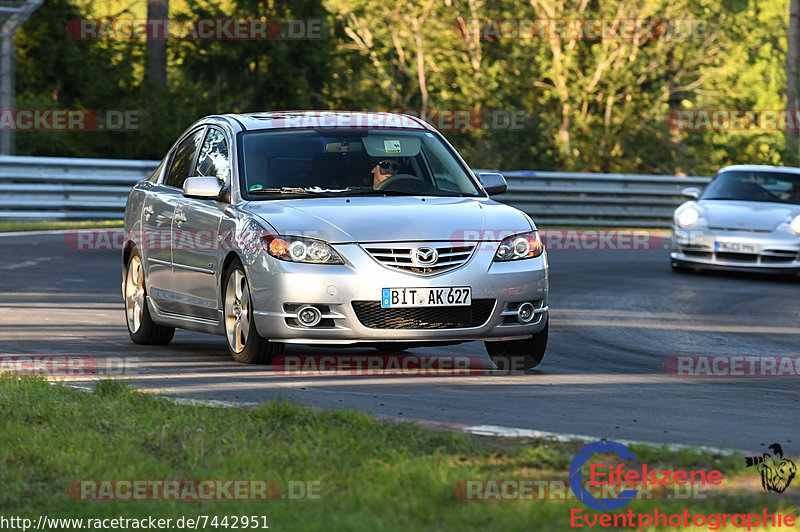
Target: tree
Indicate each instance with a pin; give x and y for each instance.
(254, 75)
(792, 136)
(156, 47)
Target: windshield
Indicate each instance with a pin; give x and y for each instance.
(350, 163)
(754, 186)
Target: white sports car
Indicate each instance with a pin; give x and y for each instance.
(747, 218)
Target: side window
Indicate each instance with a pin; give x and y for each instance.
(182, 160)
(214, 159)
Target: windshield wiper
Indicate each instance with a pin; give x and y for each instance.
(315, 191)
(372, 192)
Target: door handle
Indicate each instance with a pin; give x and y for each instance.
(148, 212)
(180, 217)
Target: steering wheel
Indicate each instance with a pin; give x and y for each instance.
(399, 178)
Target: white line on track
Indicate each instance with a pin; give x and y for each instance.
(34, 233)
(477, 430)
(27, 263)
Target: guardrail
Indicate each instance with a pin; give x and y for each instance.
(67, 188)
(61, 188)
(611, 200)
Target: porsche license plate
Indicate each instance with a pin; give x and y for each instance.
(735, 247)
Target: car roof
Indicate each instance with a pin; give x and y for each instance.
(327, 120)
(760, 168)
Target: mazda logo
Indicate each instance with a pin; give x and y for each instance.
(424, 256)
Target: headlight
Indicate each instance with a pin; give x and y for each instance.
(294, 249)
(688, 216)
(523, 246)
(795, 225)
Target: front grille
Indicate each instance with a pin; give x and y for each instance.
(778, 255)
(740, 229)
(767, 256)
(399, 256)
(371, 315)
(738, 257)
(696, 253)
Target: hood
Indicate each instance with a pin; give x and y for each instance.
(391, 219)
(748, 215)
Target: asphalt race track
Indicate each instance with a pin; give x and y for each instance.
(616, 318)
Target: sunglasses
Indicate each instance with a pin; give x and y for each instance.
(389, 164)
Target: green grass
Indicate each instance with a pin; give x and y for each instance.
(372, 475)
(6, 227)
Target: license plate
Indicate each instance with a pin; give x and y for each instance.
(449, 296)
(735, 247)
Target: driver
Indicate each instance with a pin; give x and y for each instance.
(383, 170)
(793, 196)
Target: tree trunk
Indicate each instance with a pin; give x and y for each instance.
(157, 47)
(792, 137)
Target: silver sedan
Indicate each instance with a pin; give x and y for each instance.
(330, 228)
(747, 218)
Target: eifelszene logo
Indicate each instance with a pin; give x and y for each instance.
(776, 471)
(618, 475)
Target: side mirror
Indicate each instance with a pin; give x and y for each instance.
(493, 182)
(202, 187)
(691, 192)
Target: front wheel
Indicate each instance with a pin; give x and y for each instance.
(244, 343)
(141, 327)
(519, 354)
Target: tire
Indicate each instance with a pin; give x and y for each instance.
(519, 354)
(244, 343)
(141, 327)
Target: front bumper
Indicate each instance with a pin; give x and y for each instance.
(734, 250)
(279, 288)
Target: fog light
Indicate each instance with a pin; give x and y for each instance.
(309, 316)
(525, 312)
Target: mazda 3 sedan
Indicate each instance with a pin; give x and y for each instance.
(747, 218)
(330, 228)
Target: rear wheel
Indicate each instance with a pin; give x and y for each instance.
(244, 343)
(519, 354)
(141, 327)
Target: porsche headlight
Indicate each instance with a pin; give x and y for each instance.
(795, 225)
(688, 216)
(306, 250)
(522, 246)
